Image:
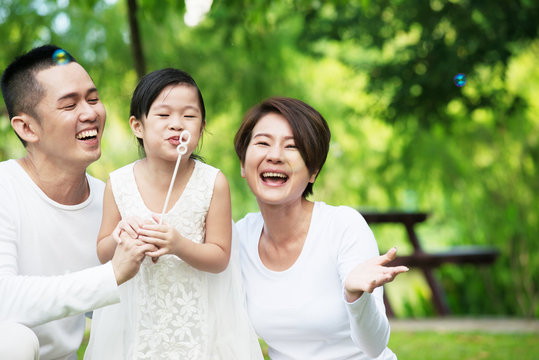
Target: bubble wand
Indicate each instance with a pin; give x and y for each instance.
(181, 149)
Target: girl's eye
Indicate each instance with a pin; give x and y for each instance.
(162, 115)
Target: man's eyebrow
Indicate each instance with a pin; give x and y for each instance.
(67, 96)
(75, 94)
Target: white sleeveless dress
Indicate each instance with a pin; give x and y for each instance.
(171, 310)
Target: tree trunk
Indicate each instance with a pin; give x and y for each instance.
(136, 43)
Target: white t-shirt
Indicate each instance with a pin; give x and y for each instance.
(44, 247)
(301, 312)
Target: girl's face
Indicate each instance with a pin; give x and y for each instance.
(175, 109)
(273, 166)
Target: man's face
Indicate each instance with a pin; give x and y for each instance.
(71, 117)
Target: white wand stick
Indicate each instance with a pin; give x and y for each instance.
(181, 149)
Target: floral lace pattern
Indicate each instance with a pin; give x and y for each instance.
(168, 309)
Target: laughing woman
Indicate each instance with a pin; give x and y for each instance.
(312, 272)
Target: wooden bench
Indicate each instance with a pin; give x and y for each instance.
(427, 262)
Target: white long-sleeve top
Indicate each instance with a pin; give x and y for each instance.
(301, 312)
(48, 263)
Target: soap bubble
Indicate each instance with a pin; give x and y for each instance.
(61, 57)
(459, 80)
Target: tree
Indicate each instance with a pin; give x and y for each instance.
(404, 136)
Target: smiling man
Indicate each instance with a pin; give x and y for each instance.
(50, 210)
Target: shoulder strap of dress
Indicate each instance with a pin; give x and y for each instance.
(122, 183)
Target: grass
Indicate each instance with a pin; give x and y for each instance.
(450, 345)
(464, 346)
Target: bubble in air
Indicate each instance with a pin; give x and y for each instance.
(61, 57)
(459, 80)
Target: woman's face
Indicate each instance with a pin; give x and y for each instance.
(273, 167)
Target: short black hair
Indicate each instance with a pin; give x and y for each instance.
(20, 88)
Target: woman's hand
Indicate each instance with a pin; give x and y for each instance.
(369, 275)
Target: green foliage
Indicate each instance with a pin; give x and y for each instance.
(404, 136)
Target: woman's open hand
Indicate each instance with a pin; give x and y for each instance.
(371, 274)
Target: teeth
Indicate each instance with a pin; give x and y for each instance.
(87, 134)
(274, 174)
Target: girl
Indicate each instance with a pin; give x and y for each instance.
(186, 303)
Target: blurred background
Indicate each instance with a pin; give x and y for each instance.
(404, 136)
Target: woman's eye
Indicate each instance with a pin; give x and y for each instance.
(69, 107)
(291, 146)
(262, 143)
(93, 101)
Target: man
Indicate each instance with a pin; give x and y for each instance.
(50, 210)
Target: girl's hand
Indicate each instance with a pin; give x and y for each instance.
(130, 225)
(167, 239)
(371, 274)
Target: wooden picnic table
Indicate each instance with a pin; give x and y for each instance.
(428, 261)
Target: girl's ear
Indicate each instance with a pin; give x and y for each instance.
(136, 126)
(26, 127)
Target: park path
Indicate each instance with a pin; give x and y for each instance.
(456, 324)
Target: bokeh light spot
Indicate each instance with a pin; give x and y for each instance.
(459, 80)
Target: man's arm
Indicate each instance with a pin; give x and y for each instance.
(34, 300)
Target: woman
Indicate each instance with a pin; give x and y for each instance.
(312, 272)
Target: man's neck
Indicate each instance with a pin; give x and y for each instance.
(62, 184)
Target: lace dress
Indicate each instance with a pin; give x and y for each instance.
(171, 310)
